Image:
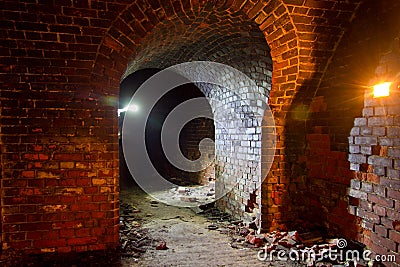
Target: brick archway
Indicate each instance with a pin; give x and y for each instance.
(302, 38)
(63, 63)
(131, 27)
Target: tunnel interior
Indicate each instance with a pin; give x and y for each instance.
(232, 39)
(69, 66)
(191, 133)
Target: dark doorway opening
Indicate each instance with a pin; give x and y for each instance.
(189, 139)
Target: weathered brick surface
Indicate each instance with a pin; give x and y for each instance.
(61, 69)
(305, 163)
(335, 127)
(378, 173)
(204, 42)
(190, 138)
(59, 154)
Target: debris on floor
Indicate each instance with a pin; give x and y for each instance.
(193, 195)
(311, 247)
(162, 246)
(133, 239)
(212, 227)
(302, 242)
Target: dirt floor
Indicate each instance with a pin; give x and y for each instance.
(192, 239)
(156, 234)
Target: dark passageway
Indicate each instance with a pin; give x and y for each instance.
(191, 134)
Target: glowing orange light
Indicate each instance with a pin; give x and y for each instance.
(382, 89)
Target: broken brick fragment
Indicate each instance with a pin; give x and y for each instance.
(162, 246)
(257, 241)
(287, 242)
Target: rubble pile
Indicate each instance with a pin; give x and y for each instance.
(308, 247)
(133, 239)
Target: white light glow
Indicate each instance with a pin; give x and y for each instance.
(132, 107)
(382, 89)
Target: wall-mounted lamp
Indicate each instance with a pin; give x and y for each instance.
(131, 107)
(382, 89)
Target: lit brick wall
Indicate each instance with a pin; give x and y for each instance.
(59, 151)
(237, 151)
(308, 175)
(375, 159)
(338, 100)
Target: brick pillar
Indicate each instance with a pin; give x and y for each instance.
(59, 173)
(375, 160)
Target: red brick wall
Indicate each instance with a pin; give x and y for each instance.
(60, 72)
(193, 132)
(338, 100)
(59, 161)
(327, 178)
(302, 36)
(319, 27)
(374, 158)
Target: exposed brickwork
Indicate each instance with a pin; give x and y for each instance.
(61, 68)
(243, 46)
(319, 26)
(341, 92)
(59, 153)
(374, 158)
(285, 51)
(190, 138)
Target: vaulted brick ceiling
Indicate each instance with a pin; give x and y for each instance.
(62, 63)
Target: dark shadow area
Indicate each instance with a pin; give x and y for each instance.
(190, 136)
(108, 258)
(189, 139)
(127, 89)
